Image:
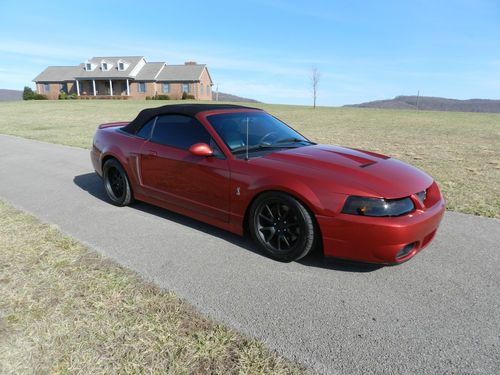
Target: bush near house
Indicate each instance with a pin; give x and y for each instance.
(28, 94)
(64, 96)
(158, 97)
(185, 96)
(161, 97)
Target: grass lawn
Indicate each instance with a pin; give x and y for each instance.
(460, 150)
(66, 310)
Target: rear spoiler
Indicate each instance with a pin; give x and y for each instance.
(113, 124)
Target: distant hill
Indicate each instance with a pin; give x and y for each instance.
(429, 103)
(9, 95)
(223, 97)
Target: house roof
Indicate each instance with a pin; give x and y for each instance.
(186, 72)
(97, 72)
(184, 109)
(136, 68)
(57, 74)
(150, 71)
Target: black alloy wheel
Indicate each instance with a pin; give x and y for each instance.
(282, 226)
(116, 183)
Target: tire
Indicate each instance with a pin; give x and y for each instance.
(282, 226)
(116, 183)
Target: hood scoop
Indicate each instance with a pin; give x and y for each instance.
(363, 162)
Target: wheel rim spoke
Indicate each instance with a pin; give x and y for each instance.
(266, 218)
(278, 225)
(286, 241)
(270, 212)
(116, 183)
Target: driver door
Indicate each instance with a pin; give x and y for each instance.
(171, 173)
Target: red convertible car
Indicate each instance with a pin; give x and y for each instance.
(241, 169)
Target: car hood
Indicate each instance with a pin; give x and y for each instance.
(349, 169)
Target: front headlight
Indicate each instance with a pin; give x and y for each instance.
(377, 206)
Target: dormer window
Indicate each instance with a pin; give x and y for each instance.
(104, 66)
(88, 66)
(121, 66)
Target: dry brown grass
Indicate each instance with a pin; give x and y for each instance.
(460, 150)
(66, 310)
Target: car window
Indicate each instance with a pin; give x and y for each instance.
(179, 131)
(145, 131)
(259, 128)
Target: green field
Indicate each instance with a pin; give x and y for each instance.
(460, 150)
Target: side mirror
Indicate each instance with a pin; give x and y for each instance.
(201, 149)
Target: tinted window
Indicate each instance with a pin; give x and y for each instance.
(263, 129)
(145, 131)
(179, 131)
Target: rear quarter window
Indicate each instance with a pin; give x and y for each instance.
(145, 131)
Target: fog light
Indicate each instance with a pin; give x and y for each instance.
(405, 250)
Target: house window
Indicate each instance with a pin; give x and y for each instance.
(208, 90)
(185, 87)
(141, 86)
(104, 66)
(88, 66)
(46, 87)
(121, 66)
(201, 89)
(166, 88)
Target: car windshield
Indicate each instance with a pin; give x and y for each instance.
(255, 131)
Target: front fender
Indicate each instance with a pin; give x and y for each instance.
(315, 197)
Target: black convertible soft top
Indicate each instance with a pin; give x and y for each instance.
(181, 109)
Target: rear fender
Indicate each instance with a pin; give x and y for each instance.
(113, 151)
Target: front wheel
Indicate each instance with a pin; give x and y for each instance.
(282, 226)
(116, 183)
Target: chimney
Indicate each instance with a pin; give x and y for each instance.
(190, 63)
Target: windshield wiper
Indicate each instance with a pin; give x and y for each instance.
(252, 148)
(294, 140)
(261, 146)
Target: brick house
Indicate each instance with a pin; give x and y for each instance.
(128, 76)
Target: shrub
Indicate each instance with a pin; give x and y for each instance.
(148, 98)
(28, 93)
(161, 97)
(39, 96)
(62, 95)
(185, 96)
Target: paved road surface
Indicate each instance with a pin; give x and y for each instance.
(438, 313)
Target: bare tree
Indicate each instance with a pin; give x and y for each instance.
(315, 76)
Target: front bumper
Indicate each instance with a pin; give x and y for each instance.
(379, 239)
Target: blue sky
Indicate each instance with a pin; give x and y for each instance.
(265, 49)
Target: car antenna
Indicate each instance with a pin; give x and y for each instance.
(246, 153)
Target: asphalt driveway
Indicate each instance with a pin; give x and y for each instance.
(438, 313)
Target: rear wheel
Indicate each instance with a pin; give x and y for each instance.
(116, 183)
(282, 226)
